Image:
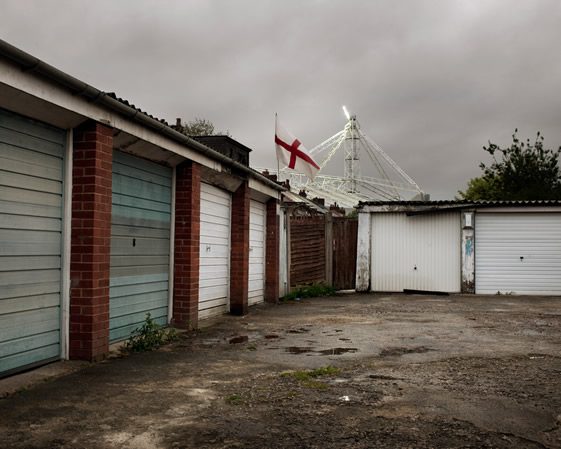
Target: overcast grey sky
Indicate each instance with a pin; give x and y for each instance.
(430, 81)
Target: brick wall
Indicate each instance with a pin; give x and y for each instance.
(272, 253)
(90, 241)
(187, 238)
(239, 253)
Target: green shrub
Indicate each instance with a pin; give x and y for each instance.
(150, 336)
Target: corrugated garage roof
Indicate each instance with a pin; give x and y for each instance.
(463, 203)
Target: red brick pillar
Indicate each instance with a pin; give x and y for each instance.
(90, 241)
(272, 253)
(187, 238)
(239, 253)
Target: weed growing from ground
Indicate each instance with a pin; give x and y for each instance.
(234, 399)
(150, 336)
(311, 374)
(310, 291)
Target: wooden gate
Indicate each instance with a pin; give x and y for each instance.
(307, 250)
(344, 252)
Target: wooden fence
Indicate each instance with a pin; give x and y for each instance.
(307, 250)
(323, 249)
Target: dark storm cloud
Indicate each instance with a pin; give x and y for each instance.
(430, 81)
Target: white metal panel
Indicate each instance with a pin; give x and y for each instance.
(420, 252)
(257, 226)
(214, 270)
(518, 253)
(31, 213)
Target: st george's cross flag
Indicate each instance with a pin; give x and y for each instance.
(291, 152)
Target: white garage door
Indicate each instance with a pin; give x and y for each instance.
(518, 253)
(214, 272)
(420, 252)
(31, 200)
(257, 225)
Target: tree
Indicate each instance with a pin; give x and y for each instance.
(522, 171)
(198, 127)
(480, 188)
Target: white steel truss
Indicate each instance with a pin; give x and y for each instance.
(389, 183)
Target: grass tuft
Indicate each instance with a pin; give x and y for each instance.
(310, 291)
(234, 399)
(312, 374)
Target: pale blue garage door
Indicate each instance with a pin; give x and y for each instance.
(140, 242)
(31, 188)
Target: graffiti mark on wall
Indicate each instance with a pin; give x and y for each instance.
(469, 246)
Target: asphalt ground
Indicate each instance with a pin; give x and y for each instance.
(351, 371)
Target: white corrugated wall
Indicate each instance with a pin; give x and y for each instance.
(419, 252)
(518, 253)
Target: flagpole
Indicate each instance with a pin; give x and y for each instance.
(278, 163)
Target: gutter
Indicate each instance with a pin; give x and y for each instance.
(89, 93)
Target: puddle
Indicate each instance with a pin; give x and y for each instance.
(308, 350)
(337, 351)
(298, 350)
(389, 352)
(382, 377)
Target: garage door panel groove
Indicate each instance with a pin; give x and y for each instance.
(26, 182)
(140, 203)
(30, 197)
(30, 169)
(142, 164)
(29, 343)
(126, 171)
(27, 142)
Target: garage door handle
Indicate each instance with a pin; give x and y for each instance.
(521, 257)
(208, 248)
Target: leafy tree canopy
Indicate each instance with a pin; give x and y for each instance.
(198, 127)
(522, 171)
